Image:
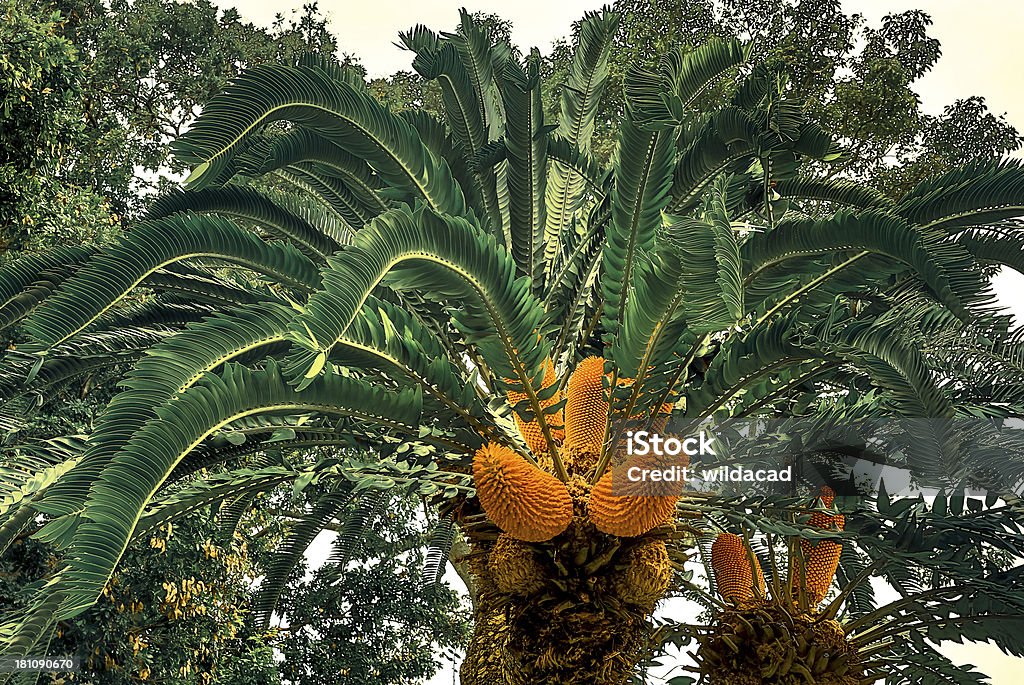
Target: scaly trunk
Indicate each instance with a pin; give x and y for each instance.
(572, 610)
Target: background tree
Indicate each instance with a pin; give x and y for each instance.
(370, 614)
(857, 80)
(94, 92)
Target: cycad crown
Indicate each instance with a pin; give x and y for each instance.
(412, 275)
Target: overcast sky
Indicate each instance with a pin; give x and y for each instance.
(981, 46)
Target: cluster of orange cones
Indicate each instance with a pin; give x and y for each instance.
(533, 505)
(738, 573)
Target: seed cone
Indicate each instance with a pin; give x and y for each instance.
(827, 495)
(522, 500)
(731, 561)
(661, 420)
(822, 558)
(531, 430)
(647, 577)
(586, 407)
(615, 511)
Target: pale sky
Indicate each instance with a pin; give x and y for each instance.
(981, 55)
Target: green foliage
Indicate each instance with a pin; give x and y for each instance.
(371, 621)
(398, 272)
(856, 79)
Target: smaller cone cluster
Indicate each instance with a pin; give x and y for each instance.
(586, 407)
(522, 500)
(822, 557)
(731, 561)
(531, 430)
(766, 645)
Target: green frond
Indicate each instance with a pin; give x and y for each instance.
(868, 232)
(200, 286)
(834, 190)
(446, 259)
(164, 311)
(169, 368)
(346, 115)
(476, 183)
(390, 339)
(580, 164)
(652, 340)
(116, 270)
(652, 323)
(466, 108)
(765, 349)
(727, 251)
(664, 99)
(326, 508)
(356, 524)
(643, 174)
(272, 437)
(21, 635)
(726, 142)
(331, 192)
(419, 38)
(70, 361)
(463, 107)
(438, 549)
(580, 97)
(26, 475)
(526, 146)
(704, 251)
(215, 488)
(572, 284)
(329, 64)
(990, 248)
(973, 195)
(27, 269)
(483, 62)
(304, 152)
(124, 487)
(28, 280)
(241, 202)
(894, 364)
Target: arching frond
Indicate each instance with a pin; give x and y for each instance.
(526, 148)
(348, 116)
(245, 203)
(118, 496)
(580, 97)
(974, 195)
(169, 368)
(643, 169)
(116, 270)
(444, 258)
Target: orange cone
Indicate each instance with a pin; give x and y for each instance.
(525, 502)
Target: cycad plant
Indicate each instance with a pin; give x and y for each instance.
(476, 311)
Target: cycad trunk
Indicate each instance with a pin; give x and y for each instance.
(571, 610)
